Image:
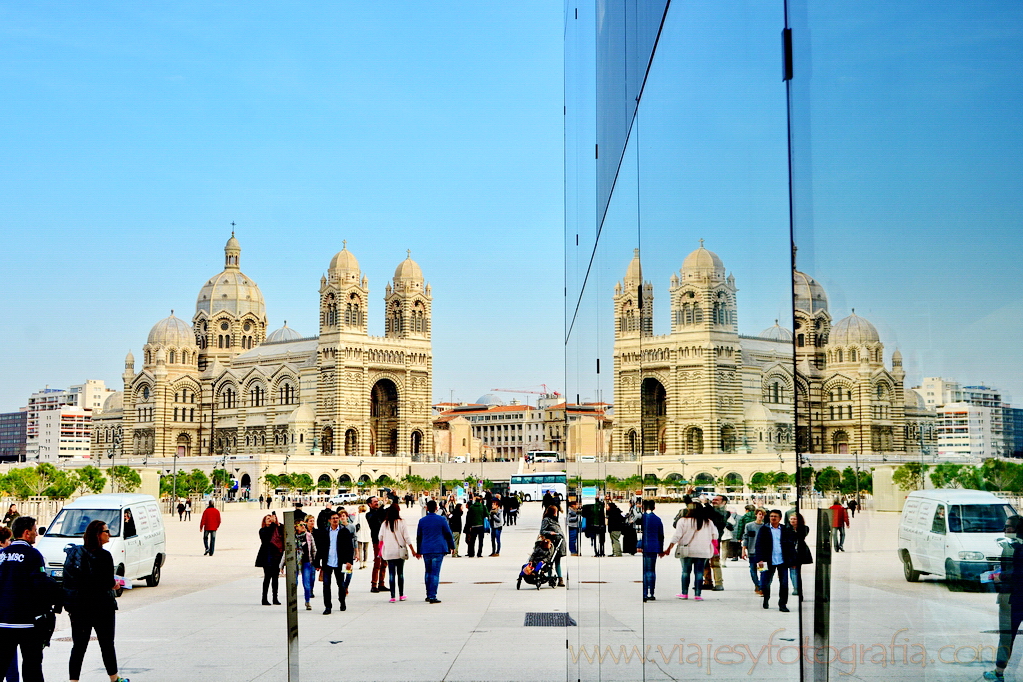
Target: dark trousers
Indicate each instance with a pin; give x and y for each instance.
(333, 574)
(31, 652)
(475, 538)
(83, 622)
(783, 583)
(209, 539)
(597, 539)
(495, 540)
(270, 577)
(649, 573)
(1009, 620)
(396, 573)
(379, 567)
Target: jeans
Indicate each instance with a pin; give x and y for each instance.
(794, 578)
(396, 568)
(306, 576)
(649, 573)
(456, 536)
(209, 540)
(83, 622)
(432, 562)
(754, 574)
(495, 540)
(838, 538)
(573, 540)
(692, 565)
(783, 583)
(379, 564)
(31, 652)
(616, 543)
(597, 540)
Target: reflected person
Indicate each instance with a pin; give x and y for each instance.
(1008, 582)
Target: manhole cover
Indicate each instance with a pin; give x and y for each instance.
(488, 582)
(594, 582)
(68, 639)
(548, 619)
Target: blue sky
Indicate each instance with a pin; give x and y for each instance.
(134, 136)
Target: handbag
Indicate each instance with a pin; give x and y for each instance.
(404, 552)
(682, 552)
(43, 627)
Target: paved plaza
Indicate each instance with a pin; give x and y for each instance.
(205, 620)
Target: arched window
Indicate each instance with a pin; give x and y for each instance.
(852, 355)
(256, 395)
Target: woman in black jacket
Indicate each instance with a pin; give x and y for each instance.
(801, 552)
(89, 599)
(271, 551)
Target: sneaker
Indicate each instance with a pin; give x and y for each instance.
(719, 588)
(697, 598)
(402, 598)
(393, 600)
(759, 591)
(994, 675)
(308, 607)
(682, 596)
(434, 601)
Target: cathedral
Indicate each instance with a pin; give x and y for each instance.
(223, 387)
(706, 403)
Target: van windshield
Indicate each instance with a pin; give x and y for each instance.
(71, 523)
(978, 518)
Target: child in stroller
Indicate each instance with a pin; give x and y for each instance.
(539, 569)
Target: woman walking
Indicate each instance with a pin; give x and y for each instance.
(363, 538)
(395, 549)
(270, 556)
(89, 598)
(695, 533)
(801, 552)
(12, 513)
(305, 552)
(551, 527)
(348, 526)
(496, 525)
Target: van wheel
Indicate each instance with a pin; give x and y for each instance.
(527, 498)
(907, 569)
(154, 579)
(119, 572)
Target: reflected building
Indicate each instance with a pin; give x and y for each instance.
(705, 396)
(224, 387)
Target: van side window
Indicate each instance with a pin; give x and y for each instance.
(938, 524)
(129, 524)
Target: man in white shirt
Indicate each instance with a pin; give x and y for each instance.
(335, 551)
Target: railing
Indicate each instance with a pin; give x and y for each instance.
(42, 509)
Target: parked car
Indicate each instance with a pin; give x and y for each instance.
(951, 533)
(344, 498)
(138, 542)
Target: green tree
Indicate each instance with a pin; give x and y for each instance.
(780, 478)
(950, 475)
(197, 482)
(386, 481)
(910, 476)
(828, 479)
(1001, 475)
(415, 483)
(167, 485)
(806, 478)
(124, 479)
(221, 478)
(759, 481)
(303, 482)
(62, 485)
(285, 481)
(273, 481)
(91, 480)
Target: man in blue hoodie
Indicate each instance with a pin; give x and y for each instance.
(434, 540)
(26, 593)
(652, 545)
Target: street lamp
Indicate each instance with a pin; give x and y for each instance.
(112, 454)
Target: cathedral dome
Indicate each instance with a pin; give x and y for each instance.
(114, 402)
(776, 333)
(853, 330)
(809, 295)
(703, 262)
(285, 333)
(489, 399)
(408, 269)
(172, 332)
(231, 290)
(344, 263)
(634, 273)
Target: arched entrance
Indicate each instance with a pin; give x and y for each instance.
(384, 417)
(416, 443)
(654, 415)
(328, 440)
(351, 442)
(246, 482)
(840, 443)
(694, 440)
(184, 445)
(727, 438)
(324, 482)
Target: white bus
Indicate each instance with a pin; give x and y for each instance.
(533, 486)
(543, 456)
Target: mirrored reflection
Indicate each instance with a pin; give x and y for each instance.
(906, 133)
(679, 361)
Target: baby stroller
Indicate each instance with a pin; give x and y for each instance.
(540, 567)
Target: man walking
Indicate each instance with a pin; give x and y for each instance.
(774, 547)
(474, 517)
(334, 553)
(323, 518)
(209, 522)
(434, 540)
(653, 545)
(573, 527)
(839, 522)
(27, 593)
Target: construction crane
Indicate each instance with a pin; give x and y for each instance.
(513, 390)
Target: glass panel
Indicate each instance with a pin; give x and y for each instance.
(906, 127)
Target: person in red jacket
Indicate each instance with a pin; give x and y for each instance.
(839, 522)
(208, 524)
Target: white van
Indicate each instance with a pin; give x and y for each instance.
(951, 533)
(137, 539)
